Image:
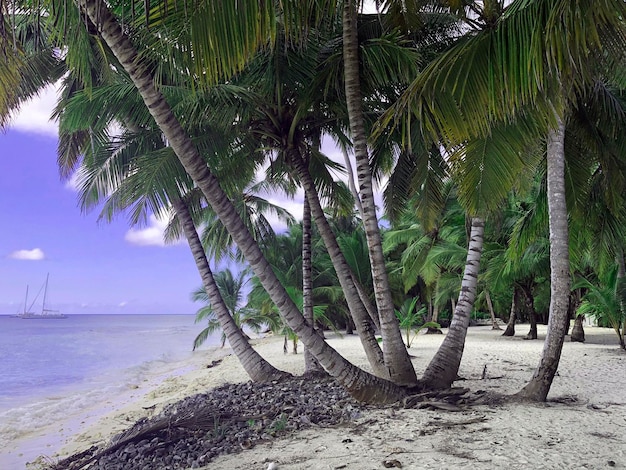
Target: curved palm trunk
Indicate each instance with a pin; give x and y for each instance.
(395, 354)
(444, 367)
(539, 385)
(361, 385)
(530, 308)
(494, 322)
(255, 366)
(578, 332)
(366, 301)
(510, 326)
(311, 366)
(356, 304)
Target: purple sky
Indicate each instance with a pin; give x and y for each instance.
(94, 267)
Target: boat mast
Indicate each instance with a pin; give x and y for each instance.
(26, 299)
(45, 291)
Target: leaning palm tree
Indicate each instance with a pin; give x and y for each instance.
(137, 173)
(257, 368)
(396, 358)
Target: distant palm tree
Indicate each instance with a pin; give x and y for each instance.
(605, 301)
(232, 289)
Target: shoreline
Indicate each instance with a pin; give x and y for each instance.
(592, 372)
(63, 417)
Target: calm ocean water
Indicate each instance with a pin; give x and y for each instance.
(52, 368)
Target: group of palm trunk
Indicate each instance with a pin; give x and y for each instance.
(393, 375)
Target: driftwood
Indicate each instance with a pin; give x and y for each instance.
(447, 399)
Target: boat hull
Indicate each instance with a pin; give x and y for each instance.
(39, 316)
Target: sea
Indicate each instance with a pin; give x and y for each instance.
(57, 368)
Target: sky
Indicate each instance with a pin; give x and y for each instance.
(95, 267)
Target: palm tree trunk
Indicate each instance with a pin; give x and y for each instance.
(532, 318)
(255, 366)
(356, 303)
(530, 308)
(311, 366)
(361, 385)
(510, 326)
(578, 332)
(350, 176)
(371, 310)
(434, 317)
(539, 386)
(494, 322)
(396, 357)
(444, 367)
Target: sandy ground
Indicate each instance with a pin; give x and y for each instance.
(582, 426)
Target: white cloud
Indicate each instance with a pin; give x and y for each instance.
(122, 304)
(34, 115)
(35, 254)
(293, 206)
(152, 235)
(73, 183)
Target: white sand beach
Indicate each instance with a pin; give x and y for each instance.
(584, 428)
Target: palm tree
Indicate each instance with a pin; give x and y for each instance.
(443, 368)
(139, 173)
(311, 365)
(231, 290)
(257, 368)
(395, 354)
(605, 302)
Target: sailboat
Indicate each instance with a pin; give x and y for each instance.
(46, 313)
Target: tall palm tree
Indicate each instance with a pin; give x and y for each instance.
(311, 365)
(395, 354)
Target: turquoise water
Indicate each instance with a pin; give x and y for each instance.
(50, 369)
